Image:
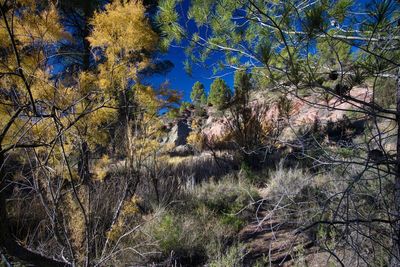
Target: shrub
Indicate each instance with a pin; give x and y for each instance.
(233, 257)
(169, 234)
(250, 174)
(287, 183)
(385, 92)
(226, 196)
(180, 237)
(196, 228)
(196, 140)
(233, 221)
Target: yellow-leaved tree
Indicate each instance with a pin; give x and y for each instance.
(123, 40)
(29, 101)
(55, 121)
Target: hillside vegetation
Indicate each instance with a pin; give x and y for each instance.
(298, 164)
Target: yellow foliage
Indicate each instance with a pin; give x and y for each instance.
(267, 128)
(116, 231)
(42, 88)
(131, 206)
(104, 83)
(76, 222)
(123, 32)
(91, 127)
(4, 36)
(5, 114)
(147, 98)
(87, 82)
(196, 124)
(122, 27)
(43, 129)
(101, 167)
(197, 140)
(129, 209)
(144, 147)
(44, 26)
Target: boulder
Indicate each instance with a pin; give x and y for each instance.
(178, 134)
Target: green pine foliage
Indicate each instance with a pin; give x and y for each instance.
(242, 82)
(198, 95)
(220, 94)
(184, 105)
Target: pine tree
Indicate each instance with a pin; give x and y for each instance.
(325, 48)
(198, 95)
(242, 83)
(184, 105)
(220, 93)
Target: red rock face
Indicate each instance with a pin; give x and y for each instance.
(215, 130)
(304, 111)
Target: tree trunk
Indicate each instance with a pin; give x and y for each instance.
(84, 170)
(83, 164)
(395, 257)
(85, 150)
(4, 233)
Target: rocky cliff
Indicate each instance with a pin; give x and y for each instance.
(303, 111)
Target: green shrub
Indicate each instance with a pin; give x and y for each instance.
(180, 237)
(169, 234)
(199, 225)
(253, 177)
(226, 196)
(233, 220)
(193, 237)
(232, 258)
(346, 152)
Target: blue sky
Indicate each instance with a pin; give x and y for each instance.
(177, 77)
(183, 82)
(180, 80)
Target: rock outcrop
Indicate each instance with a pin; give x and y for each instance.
(178, 133)
(302, 112)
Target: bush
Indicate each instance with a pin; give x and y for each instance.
(196, 140)
(191, 237)
(233, 257)
(169, 234)
(203, 222)
(249, 174)
(287, 183)
(227, 196)
(385, 92)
